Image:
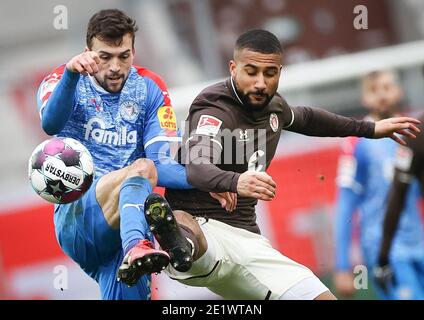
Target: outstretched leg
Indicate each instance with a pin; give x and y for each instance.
(122, 194)
(230, 262)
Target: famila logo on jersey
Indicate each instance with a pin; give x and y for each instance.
(112, 137)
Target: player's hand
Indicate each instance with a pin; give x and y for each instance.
(402, 125)
(228, 200)
(343, 282)
(383, 275)
(84, 63)
(257, 185)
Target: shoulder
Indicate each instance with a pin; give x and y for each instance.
(279, 104)
(279, 100)
(49, 83)
(57, 72)
(214, 106)
(216, 97)
(213, 93)
(55, 75)
(146, 73)
(157, 80)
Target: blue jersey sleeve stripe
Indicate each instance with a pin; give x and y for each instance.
(162, 138)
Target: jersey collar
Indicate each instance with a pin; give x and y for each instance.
(235, 91)
(96, 85)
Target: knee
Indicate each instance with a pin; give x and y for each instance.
(144, 168)
(327, 295)
(184, 218)
(189, 221)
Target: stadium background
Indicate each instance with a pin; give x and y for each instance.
(189, 42)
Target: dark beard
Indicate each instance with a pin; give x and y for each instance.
(103, 84)
(245, 99)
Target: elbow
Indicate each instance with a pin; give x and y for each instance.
(190, 176)
(193, 183)
(193, 176)
(199, 180)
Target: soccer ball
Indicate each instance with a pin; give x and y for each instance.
(60, 170)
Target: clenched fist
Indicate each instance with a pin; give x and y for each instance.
(84, 63)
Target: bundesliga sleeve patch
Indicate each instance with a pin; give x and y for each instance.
(208, 125)
(167, 118)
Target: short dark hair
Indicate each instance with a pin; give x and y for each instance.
(259, 40)
(110, 26)
(373, 75)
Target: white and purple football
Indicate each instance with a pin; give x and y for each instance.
(61, 170)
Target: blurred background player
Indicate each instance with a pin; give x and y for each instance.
(409, 167)
(364, 178)
(118, 111)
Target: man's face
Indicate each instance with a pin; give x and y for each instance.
(115, 62)
(381, 94)
(256, 76)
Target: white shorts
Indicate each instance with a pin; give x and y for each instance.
(243, 265)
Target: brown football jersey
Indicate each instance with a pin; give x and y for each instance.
(410, 159)
(225, 138)
(409, 165)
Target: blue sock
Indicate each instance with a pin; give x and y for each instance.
(133, 224)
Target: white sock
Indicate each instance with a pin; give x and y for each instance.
(207, 261)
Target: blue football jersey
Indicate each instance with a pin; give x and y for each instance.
(366, 168)
(116, 127)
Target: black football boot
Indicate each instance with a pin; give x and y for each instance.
(164, 227)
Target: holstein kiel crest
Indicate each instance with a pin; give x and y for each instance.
(129, 110)
(273, 122)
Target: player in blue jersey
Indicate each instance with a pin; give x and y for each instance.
(409, 169)
(364, 179)
(123, 115)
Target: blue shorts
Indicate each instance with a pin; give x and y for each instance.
(85, 236)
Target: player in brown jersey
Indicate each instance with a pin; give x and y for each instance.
(234, 129)
(409, 166)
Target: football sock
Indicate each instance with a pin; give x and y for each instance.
(207, 261)
(133, 224)
(191, 238)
